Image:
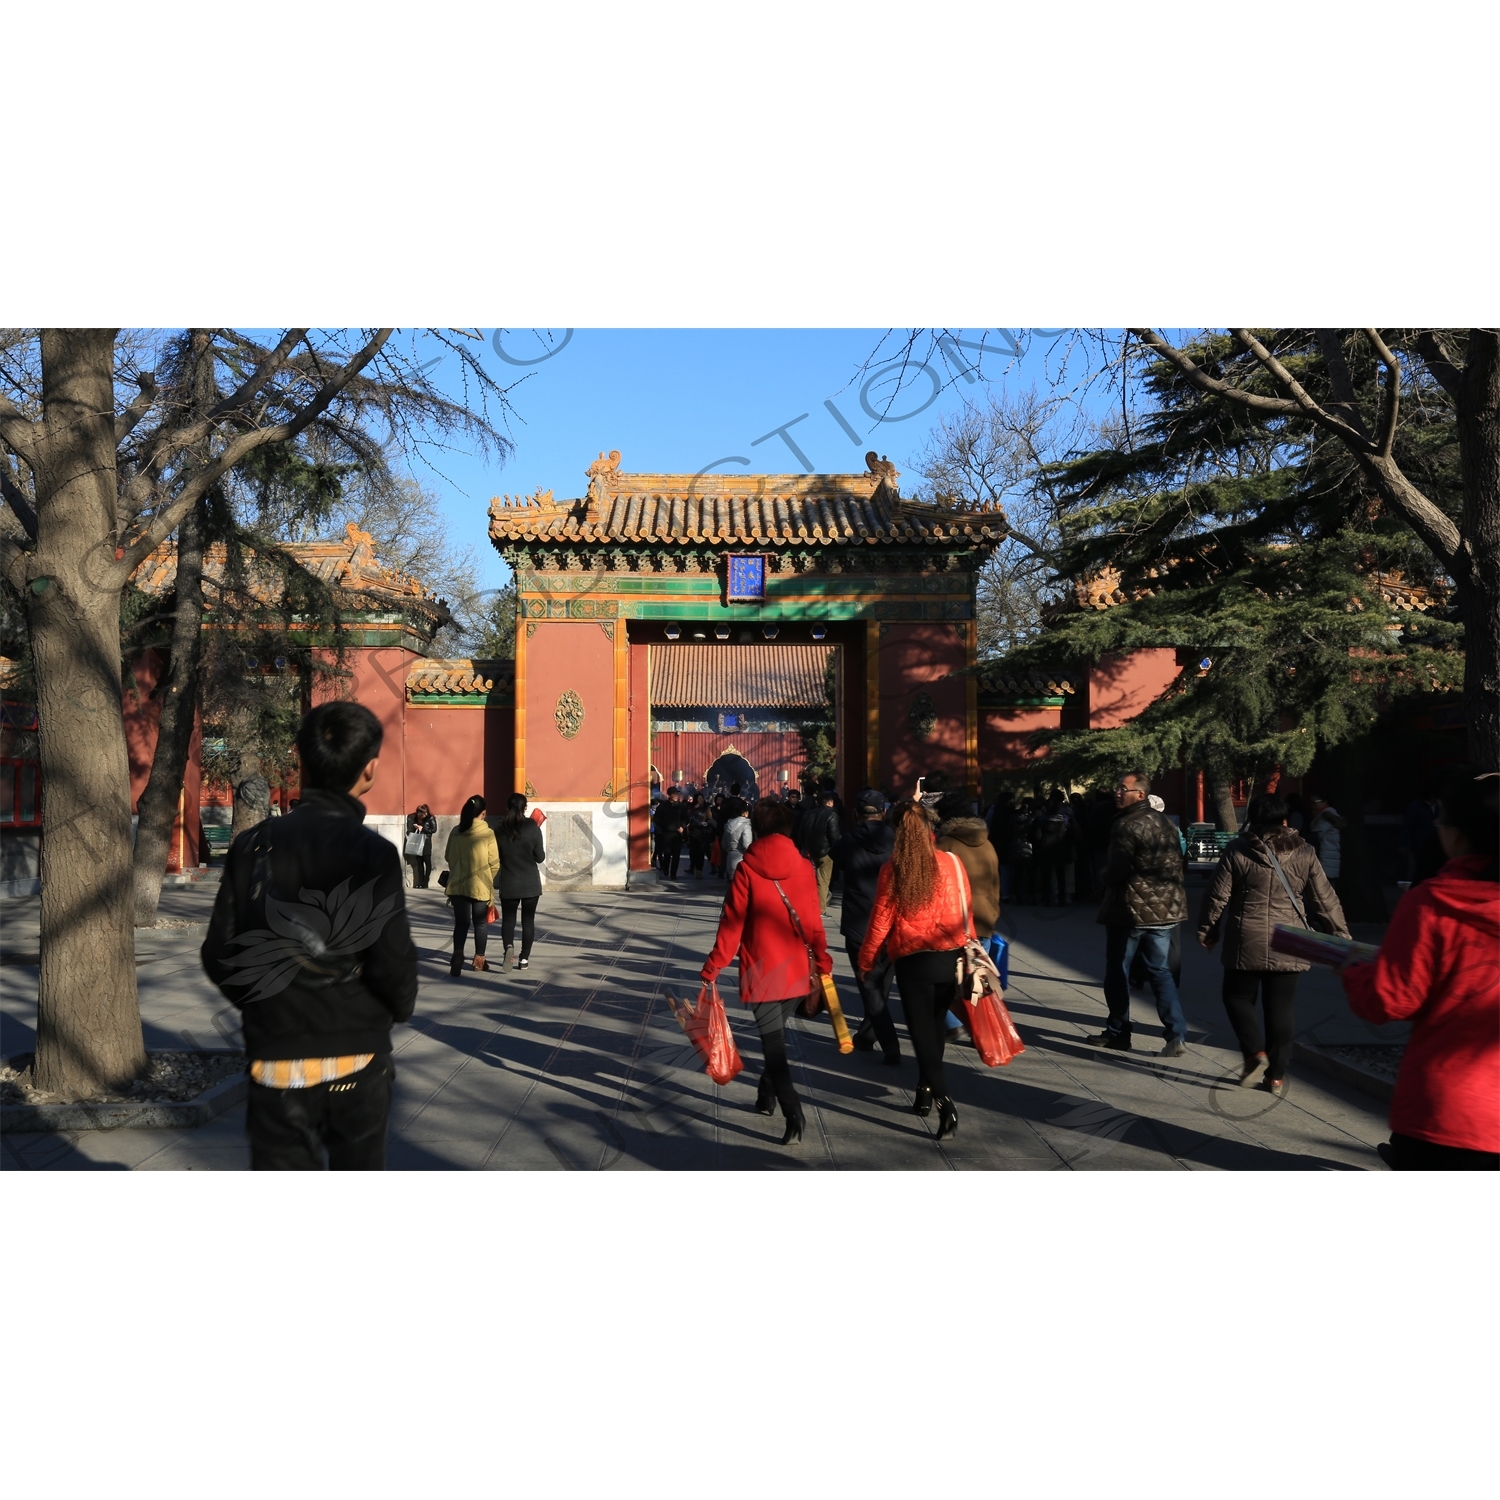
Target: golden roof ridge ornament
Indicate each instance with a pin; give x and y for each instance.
(602, 474)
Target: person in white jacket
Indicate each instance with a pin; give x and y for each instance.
(733, 843)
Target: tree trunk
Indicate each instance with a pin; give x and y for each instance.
(158, 805)
(88, 1035)
(1221, 789)
(252, 792)
(1479, 596)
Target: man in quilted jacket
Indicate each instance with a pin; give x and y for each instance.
(1145, 897)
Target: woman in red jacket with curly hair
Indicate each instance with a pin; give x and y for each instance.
(773, 882)
(1439, 968)
(918, 918)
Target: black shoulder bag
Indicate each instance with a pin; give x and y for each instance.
(1286, 885)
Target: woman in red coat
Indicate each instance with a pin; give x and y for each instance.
(772, 881)
(918, 918)
(1439, 968)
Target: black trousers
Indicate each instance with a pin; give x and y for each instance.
(668, 855)
(340, 1125)
(467, 912)
(1278, 993)
(1407, 1153)
(771, 1017)
(421, 871)
(527, 905)
(928, 990)
(697, 853)
(875, 992)
(1053, 869)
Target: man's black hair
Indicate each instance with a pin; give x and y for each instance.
(335, 742)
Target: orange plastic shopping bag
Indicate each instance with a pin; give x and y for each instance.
(707, 1028)
(995, 1035)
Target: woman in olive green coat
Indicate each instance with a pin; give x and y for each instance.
(473, 863)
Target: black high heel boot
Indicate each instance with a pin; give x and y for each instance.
(947, 1120)
(794, 1127)
(765, 1097)
(922, 1105)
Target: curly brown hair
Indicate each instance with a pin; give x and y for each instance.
(913, 860)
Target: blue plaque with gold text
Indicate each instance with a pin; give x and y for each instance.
(747, 579)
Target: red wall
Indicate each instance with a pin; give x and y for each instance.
(928, 658)
(562, 655)
(454, 751)
(379, 682)
(1002, 737)
(1120, 687)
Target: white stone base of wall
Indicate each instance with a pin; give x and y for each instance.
(587, 845)
(390, 826)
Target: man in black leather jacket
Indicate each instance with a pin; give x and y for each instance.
(309, 939)
(1145, 897)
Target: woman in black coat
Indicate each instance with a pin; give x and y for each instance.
(522, 852)
(420, 822)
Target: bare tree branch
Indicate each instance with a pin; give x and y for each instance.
(19, 433)
(1391, 407)
(263, 372)
(201, 482)
(1345, 402)
(126, 421)
(1352, 435)
(20, 504)
(1440, 361)
(1206, 382)
(1428, 521)
(13, 558)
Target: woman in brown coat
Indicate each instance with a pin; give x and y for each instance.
(960, 833)
(1249, 895)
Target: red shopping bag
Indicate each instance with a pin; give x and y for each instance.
(707, 1028)
(994, 1032)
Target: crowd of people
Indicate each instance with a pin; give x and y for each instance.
(310, 938)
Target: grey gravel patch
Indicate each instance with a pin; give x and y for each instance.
(171, 1078)
(1383, 1058)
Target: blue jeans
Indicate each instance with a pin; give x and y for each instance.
(1120, 948)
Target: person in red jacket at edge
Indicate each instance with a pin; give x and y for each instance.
(918, 918)
(1439, 968)
(775, 974)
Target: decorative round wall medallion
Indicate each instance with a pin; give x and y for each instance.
(569, 714)
(922, 715)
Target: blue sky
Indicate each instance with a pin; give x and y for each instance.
(676, 400)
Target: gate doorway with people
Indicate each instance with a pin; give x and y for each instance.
(672, 626)
(760, 714)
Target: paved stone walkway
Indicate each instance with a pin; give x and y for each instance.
(577, 1064)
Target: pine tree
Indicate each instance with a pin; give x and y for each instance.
(1255, 548)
